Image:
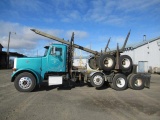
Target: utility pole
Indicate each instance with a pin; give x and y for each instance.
(8, 49)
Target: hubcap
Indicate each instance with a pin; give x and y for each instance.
(98, 80)
(120, 82)
(138, 82)
(25, 82)
(108, 62)
(126, 63)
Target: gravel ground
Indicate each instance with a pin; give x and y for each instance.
(79, 103)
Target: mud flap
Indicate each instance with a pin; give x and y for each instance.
(147, 78)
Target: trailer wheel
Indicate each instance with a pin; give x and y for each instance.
(107, 62)
(119, 82)
(25, 82)
(125, 62)
(97, 80)
(136, 82)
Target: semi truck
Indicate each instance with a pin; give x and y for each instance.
(56, 67)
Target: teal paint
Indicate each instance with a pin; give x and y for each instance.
(52, 62)
(37, 75)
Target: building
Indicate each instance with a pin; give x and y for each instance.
(146, 55)
(3, 58)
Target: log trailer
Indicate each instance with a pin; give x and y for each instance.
(56, 66)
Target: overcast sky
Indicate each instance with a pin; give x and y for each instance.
(93, 21)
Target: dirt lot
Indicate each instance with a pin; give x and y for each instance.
(80, 103)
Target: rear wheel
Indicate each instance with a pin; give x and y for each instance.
(97, 80)
(136, 82)
(119, 82)
(25, 82)
(128, 78)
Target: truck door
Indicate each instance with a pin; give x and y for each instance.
(56, 59)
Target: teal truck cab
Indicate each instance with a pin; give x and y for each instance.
(56, 66)
(30, 71)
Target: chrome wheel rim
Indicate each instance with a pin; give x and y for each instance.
(126, 63)
(98, 80)
(120, 82)
(25, 83)
(138, 83)
(108, 62)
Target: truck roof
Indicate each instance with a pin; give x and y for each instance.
(47, 46)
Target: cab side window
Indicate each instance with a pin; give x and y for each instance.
(56, 51)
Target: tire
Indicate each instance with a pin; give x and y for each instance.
(92, 63)
(97, 80)
(136, 82)
(119, 82)
(25, 82)
(128, 79)
(107, 62)
(125, 62)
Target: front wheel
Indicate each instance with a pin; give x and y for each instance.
(119, 82)
(25, 82)
(97, 80)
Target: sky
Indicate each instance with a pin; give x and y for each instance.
(92, 21)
